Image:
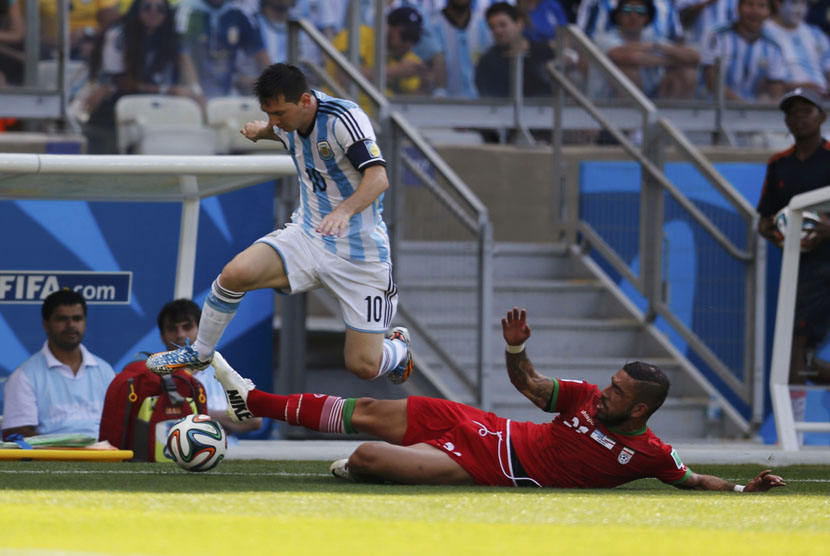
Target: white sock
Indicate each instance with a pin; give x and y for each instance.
(394, 351)
(220, 307)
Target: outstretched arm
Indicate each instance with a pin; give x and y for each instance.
(523, 376)
(762, 483)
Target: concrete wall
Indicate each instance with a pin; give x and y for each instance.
(515, 183)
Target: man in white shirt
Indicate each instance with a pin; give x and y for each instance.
(61, 388)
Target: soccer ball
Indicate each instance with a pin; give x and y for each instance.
(810, 219)
(197, 443)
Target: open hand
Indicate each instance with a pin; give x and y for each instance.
(515, 328)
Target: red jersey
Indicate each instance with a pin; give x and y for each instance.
(575, 450)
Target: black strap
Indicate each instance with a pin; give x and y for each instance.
(169, 386)
(127, 413)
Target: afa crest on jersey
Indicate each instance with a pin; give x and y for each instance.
(324, 149)
(372, 148)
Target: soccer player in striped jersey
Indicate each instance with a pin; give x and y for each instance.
(336, 238)
(753, 64)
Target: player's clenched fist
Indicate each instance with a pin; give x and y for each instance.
(253, 130)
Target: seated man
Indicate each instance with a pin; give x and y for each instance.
(805, 47)
(754, 68)
(216, 38)
(61, 388)
(493, 73)
(178, 322)
(600, 439)
(661, 69)
(406, 73)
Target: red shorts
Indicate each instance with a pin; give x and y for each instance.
(477, 440)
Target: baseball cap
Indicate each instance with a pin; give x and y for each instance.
(806, 94)
(405, 16)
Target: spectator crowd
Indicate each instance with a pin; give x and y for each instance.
(672, 49)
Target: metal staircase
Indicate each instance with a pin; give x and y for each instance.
(581, 328)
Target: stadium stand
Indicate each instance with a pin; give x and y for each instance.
(158, 124)
(227, 115)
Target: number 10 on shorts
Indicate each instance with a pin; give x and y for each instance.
(375, 306)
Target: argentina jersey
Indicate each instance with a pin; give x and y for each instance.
(746, 64)
(716, 14)
(462, 49)
(594, 17)
(330, 163)
(806, 51)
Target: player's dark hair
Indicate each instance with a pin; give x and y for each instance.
(285, 80)
(502, 8)
(61, 297)
(652, 10)
(652, 384)
(179, 310)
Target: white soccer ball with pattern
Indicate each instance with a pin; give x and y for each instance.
(810, 219)
(197, 443)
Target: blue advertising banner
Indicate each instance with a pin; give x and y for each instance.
(122, 258)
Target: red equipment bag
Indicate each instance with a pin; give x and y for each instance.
(141, 406)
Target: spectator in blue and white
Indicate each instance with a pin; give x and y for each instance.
(595, 17)
(463, 37)
(805, 47)
(325, 15)
(660, 68)
(214, 33)
(61, 388)
(753, 63)
(542, 17)
(272, 21)
(699, 17)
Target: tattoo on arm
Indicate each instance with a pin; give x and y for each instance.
(525, 379)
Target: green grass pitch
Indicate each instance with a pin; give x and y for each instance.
(246, 508)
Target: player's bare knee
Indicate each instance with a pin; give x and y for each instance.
(234, 277)
(365, 460)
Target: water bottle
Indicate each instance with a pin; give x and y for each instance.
(714, 418)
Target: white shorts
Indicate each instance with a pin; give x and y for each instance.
(366, 291)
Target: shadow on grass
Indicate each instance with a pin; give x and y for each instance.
(311, 477)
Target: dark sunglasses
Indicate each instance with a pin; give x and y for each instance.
(148, 7)
(639, 10)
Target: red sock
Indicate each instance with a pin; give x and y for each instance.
(317, 412)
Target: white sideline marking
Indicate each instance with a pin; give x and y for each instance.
(267, 474)
(92, 472)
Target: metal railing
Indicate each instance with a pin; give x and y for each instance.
(787, 427)
(739, 244)
(402, 143)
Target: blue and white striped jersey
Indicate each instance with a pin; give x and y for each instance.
(806, 52)
(594, 16)
(462, 49)
(746, 64)
(330, 161)
(717, 14)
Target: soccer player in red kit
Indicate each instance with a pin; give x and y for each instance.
(599, 439)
